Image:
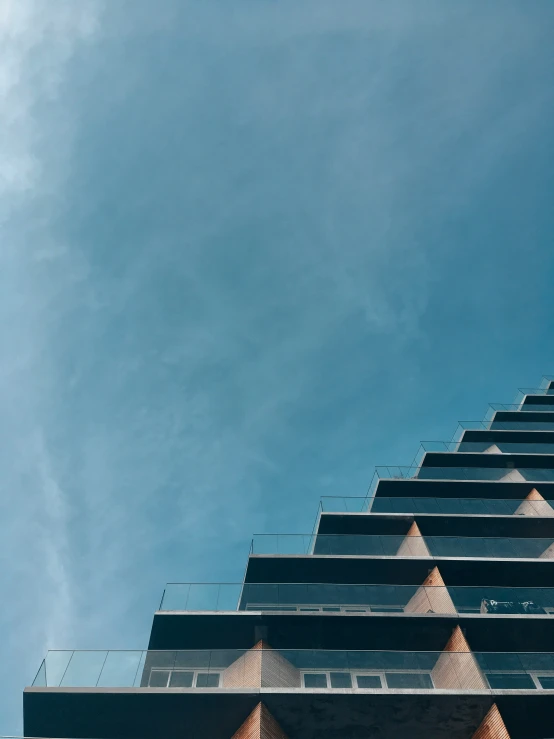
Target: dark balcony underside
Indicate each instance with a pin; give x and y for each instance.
(436, 524)
(502, 461)
(126, 714)
(390, 488)
(517, 416)
(242, 630)
(525, 437)
(407, 570)
(532, 399)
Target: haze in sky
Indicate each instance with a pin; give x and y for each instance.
(248, 250)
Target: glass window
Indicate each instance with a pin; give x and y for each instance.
(369, 681)
(416, 680)
(510, 681)
(181, 679)
(269, 607)
(207, 680)
(340, 680)
(158, 679)
(468, 609)
(315, 680)
(331, 608)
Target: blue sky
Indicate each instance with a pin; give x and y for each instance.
(249, 250)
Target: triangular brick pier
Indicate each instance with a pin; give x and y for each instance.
(534, 505)
(261, 667)
(414, 544)
(492, 726)
(457, 668)
(431, 597)
(260, 724)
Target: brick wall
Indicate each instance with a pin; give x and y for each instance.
(492, 726)
(245, 672)
(535, 505)
(261, 667)
(431, 596)
(414, 544)
(457, 668)
(277, 671)
(260, 724)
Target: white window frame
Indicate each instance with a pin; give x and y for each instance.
(319, 672)
(353, 608)
(468, 610)
(536, 674)
(195, 673)
(354, 674)
(533, 674)
(319, 607)
(381, 675)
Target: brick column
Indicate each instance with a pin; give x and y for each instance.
(492, 726)
(414, 544)
(457, 668)
(260, 724)
(534, 505)
(513, 476)
(548, 553)
(261, 667)
(431, 597)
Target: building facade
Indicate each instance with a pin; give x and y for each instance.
(424, 609)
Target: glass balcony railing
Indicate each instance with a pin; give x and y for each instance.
(457, 506)
(482, 447)
(478, 447)
(545, 390)
(469, 426)
(221, 596)
(523, 407)
(501, 600)
(490, 422)
(358, 598)
(403, 546)
(522, 425)
(519, 424)
(299, 669)
(523, 391)
(347, 504)
(506, 474)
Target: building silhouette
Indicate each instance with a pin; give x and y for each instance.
(424, 610)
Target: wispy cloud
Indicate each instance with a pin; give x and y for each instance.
(37, 42)
(224, 230)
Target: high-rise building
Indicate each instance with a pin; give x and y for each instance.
(424, 610)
